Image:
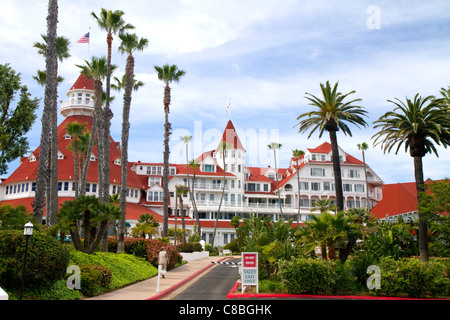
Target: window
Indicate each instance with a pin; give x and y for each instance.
(59, 186)
(315, 186)
(266, 187)
(33, 186)
(94, 187)
(88, 187)
(251, 187)
(326, 186)
(347, 187)
(211, 196)
(353, 174)
(233, 167)
(66, 186)
(208, 168)
(359, 188)
(172, 171)
(232, 184)
(304, 186)
(317, 172)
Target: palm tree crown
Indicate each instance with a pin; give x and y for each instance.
(416, 124)
(332, 113)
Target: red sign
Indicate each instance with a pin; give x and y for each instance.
(250, 260)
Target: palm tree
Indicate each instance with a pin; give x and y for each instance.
(112, 23)
(186, 139)
(419, 124)
(297, 154)
(275, 146)
(223, 146)
(332, 115)
(49, 113)
(147, 225)
(75, 130)
(167, 74)
(130, 44)
(195, 165)
(324, 205)
(62, 53)
(363, 147)
(95, 69)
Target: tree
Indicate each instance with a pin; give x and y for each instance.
(297, 154)
(62, 53)
(95, 69)
(113, 23)
(419, 124)
(94, 216)
(15, 122)
(195, 165)
(75, 130)
(49, 113)
(332, 115)
(324, 205)
(363, 147)
(186, 139)
(274, 146)
(147, 225)
(181, 191)
(167, 74)
(130, 43)
(223, 146)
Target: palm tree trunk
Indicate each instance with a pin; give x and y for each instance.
(94, 132)
(194, 203)
(336, 170)
(220, 203)
(367, 184)
(276, 177)
(167, 132)
(49, 99)
(298, 186)
(423, 230)
(129, 75)
(176, 216)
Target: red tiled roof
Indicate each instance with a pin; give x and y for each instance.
(323, 148)
(28, 170)
(398, 198)
(83, 83)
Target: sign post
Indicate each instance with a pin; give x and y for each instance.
(249, 270)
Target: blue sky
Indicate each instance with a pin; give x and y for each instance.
(263, 56)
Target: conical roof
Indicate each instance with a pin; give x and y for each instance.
(231, 137)
(83, 83)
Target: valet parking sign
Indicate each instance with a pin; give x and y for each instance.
(249, 270)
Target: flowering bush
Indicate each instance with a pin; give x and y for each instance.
(147, 248)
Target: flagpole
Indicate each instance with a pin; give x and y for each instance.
(89, 45)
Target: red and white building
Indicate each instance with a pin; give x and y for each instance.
(248, 190)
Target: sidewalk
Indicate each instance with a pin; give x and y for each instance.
(175, 278)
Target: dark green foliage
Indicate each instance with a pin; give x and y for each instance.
(15, 121)
(47, 259)
(308, 276)
(189, 247)
(94, 279)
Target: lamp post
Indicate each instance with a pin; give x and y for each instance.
(27, 231)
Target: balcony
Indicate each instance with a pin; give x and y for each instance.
(209, 186)
(85, 106)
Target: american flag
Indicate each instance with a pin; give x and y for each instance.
(84, 39)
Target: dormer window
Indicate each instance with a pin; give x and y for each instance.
(32, 158)
(117, 161)
(67, 137)
(208, 168)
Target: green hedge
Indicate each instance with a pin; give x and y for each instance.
(404, 278)
(47, 259)
(190, 247)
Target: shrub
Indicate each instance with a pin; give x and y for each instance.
(309, 276)
(94, 279)
(189, 247)
(47, 259)
(148, 249)
(413, 278)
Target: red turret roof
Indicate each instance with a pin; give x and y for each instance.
(83, 83)
(230, 137)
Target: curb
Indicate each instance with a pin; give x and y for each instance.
(232, 295)
(179, 284)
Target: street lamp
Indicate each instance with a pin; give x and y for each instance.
(27, 231)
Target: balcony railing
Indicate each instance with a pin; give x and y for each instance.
(77, 103)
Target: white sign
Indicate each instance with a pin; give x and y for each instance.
(249, 270)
